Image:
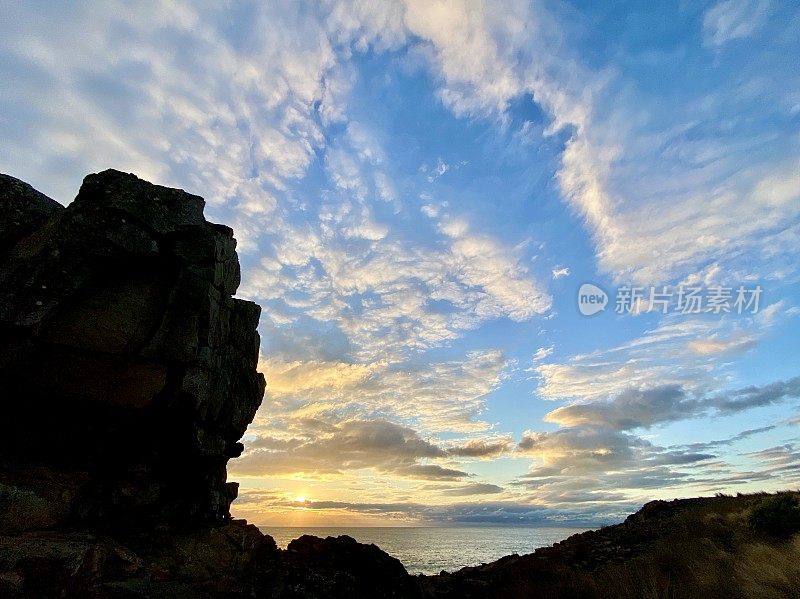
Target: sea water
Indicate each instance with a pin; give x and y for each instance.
(429, 550)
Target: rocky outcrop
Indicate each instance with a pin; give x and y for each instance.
(24, 210)
(128, 370)
(127, 379)
(685, 548)
(343, 567)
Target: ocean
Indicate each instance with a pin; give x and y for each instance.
(429, 550)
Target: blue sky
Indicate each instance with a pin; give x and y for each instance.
(419, 189)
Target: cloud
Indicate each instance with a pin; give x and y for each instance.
(258, 504)
(661, 356)
(781, 459)
(732, 185)
(633, 408)
(310, 376)
(722, 346)
(644, 408)
(482, 448)
(580, 450)
(440, 169)
(733, 19)
(438, 396)
(560, 271)
(745, 434)
(542, 353)
(473, 489)
(590, 459)
(454, 227)
(314, 403)
(598, 448)
(718, 209)
(461, 41)
(378, 290)
(209, 116)
(756, 396)
(348, 446)
(430, 210)
(431, 472)
(681, 350)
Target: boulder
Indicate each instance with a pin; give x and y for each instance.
(342, 567)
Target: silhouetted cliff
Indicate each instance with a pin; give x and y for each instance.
(128, 370)
(127, 378)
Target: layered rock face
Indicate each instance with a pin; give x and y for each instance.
(128, 371)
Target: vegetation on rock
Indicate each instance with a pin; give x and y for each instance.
(778, 516)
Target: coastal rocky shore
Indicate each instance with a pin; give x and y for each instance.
(129, 375)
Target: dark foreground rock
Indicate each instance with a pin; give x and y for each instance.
(127, 379)
(348, 568)
(128, 370)
(222, 561)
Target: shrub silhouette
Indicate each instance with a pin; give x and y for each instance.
(778, 516)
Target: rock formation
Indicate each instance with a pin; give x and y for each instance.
(685, 548)
(128, 377)
(128, 370)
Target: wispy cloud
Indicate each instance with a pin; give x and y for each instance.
(733, 19)
(437, 396)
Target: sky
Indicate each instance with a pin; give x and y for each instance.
(419, 190)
